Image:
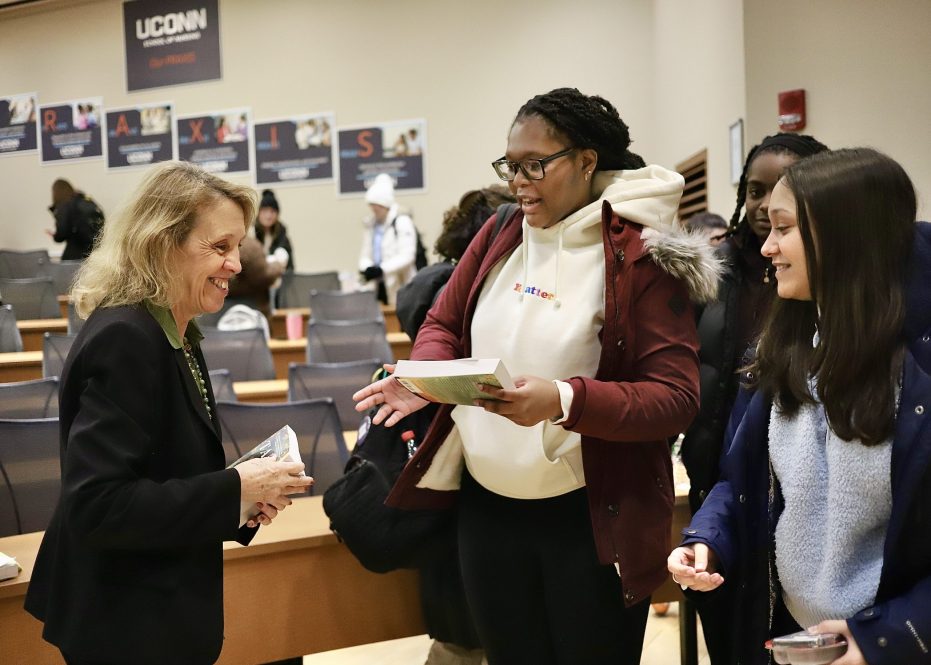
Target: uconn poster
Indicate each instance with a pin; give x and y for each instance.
(170, 42)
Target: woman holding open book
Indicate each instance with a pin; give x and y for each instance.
(131, 567)
(565, 483)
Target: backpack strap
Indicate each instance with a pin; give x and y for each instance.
(504, 212)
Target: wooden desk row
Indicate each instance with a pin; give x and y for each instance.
(277, 323)
(279, 331)
(310, 592)
(27, 365)
(32, 331)
(296, 581)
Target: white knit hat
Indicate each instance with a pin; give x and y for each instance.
(381, 191)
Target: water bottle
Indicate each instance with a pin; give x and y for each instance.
(408, 438)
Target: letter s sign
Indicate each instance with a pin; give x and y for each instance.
(366, 148)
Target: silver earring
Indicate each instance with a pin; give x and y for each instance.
(588, 175)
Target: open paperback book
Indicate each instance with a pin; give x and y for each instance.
(8, 567)
(280, 446)
(452, 381)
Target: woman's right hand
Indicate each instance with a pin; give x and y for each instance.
(269, 482)
(695, 567)
(396, 400)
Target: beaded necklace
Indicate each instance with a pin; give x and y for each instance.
(195, 372)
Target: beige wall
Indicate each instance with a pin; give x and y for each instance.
(466, 67)
(699, 87)
(864, 64)
(674, 69)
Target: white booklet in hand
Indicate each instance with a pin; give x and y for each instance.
(8, 567)
(280, 446)
(452, 381)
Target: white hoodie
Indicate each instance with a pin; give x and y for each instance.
(540, 310)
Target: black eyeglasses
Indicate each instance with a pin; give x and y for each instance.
(531, 168)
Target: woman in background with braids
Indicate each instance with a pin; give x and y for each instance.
(728, 326)
(564, 484)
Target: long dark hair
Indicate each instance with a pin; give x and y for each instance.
(856, 213)
(587, 121)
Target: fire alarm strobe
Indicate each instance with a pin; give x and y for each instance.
(792, 110)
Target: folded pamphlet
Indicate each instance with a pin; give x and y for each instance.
(8, 567)
(452, 381)
(282, 447)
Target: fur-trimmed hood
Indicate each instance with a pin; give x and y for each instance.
(650, 197)
(687, 256)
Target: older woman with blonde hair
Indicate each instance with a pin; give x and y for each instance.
(131, 567)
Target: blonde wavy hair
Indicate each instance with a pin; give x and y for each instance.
(135, 255)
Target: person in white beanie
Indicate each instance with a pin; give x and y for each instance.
(389, 242)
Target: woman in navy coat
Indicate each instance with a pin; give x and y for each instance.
(131, 567)
(822, 517)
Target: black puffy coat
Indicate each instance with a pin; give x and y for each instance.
(726, 328)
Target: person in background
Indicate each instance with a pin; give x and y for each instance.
(414, 143)
(711, 225)
(257, 276)
(78, 220)
(272, 233)
(130, 569)
(400, 146)
(222, 130)
(564, 483)
(821, 517)
(726, 329)
(389, 242)
(460, 224)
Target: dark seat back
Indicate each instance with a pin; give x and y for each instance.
(315, 422)
(30, 474)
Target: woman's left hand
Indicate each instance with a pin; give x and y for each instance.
(853, 656)
(532, 401)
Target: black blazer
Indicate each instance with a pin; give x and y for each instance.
(131, 566)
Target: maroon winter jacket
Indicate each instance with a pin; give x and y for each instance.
(645, 390)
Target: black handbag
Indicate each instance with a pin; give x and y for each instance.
(383, 538)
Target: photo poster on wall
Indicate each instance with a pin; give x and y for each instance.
(71, 130)
(169, 42)
(296, 150)
(18, 128)
(139, 135)
(218, 142)
(397, 148)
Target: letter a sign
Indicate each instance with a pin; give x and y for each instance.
(169, 42)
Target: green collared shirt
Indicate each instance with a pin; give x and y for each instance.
(167, 322)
